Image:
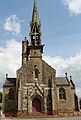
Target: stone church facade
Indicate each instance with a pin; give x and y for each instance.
(36, 88)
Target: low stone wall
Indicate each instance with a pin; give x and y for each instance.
(44, 114)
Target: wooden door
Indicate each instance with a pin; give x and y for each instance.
(36, 105)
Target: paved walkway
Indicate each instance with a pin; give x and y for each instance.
(58, 118)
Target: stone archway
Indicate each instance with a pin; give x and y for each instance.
(36, 105)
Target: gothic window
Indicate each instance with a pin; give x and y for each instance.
(33, 39)
(62, 93)
(11, 94)
(34, 30)
(37, 30)
(37, 40)
(37, 37)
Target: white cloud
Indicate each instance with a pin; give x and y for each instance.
(12, 24)
(70, 65)
(74, 6)
(9, 59)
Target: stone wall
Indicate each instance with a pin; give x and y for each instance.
(68, 103)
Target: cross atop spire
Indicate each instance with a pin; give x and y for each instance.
(35, 17)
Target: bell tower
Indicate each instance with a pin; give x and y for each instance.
(35, 47)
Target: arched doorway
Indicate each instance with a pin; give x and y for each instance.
(36, 105)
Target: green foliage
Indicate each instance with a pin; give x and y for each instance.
(0, 97)
(80, 104)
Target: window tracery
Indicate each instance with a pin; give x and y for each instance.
(62, 93)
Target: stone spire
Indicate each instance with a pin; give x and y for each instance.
(35, 16)
(35, 27)
(35, 47)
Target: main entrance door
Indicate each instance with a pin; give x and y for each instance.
(36, 105)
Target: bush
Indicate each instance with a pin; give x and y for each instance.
(0, 97)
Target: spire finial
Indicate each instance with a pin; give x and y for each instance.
(35, 17)
(34, 1)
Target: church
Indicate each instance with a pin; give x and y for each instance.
(36, 88)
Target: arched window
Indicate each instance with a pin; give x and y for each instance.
(11, 94)
(62, 93)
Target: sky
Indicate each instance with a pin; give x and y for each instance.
(61, 34)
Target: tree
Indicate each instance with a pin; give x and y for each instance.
(0, 97)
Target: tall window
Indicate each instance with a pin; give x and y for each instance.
(11, 94)
(62, 93)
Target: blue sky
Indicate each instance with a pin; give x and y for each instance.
(61, 31)
(61, 34)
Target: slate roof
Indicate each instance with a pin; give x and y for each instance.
(62, 81)
(10, 82)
